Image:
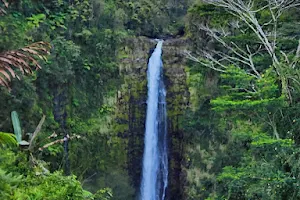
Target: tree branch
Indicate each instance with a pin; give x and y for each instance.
(37, 130)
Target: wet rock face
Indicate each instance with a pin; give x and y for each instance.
(177, 101)
(132, 96)
(134, 56)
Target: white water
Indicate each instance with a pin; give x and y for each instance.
(155, 161)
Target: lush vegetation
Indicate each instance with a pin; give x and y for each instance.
(246, 125)
(70, 90)
(72, 124)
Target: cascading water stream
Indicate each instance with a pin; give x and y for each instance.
(155, 161)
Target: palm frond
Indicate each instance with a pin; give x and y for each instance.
(2, 11)
(7, 139)
(24, 59)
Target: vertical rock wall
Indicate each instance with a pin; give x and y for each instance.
(177, 102)
(132, 96)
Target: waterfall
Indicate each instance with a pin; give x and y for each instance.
(155, 160)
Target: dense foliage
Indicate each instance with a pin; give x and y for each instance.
(75, 89)
(70, 89)
(246, 129)
(239, 137)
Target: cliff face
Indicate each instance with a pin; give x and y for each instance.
(177, 101)
(132, 96)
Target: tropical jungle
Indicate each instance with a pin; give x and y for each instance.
(75, 88)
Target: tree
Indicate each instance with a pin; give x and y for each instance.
(245, 19)
(247, 12)
(249, 35)
(244, 96)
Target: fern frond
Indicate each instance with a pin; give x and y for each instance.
(24, 59)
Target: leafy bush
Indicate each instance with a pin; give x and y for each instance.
(18, 180)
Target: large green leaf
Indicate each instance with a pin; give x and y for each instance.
(16, 125)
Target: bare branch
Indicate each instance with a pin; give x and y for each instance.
(285, 57)
(245, 13)
(297, 56)
(37, 130)
(239, 55)
(58, 141)
(191, 57)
